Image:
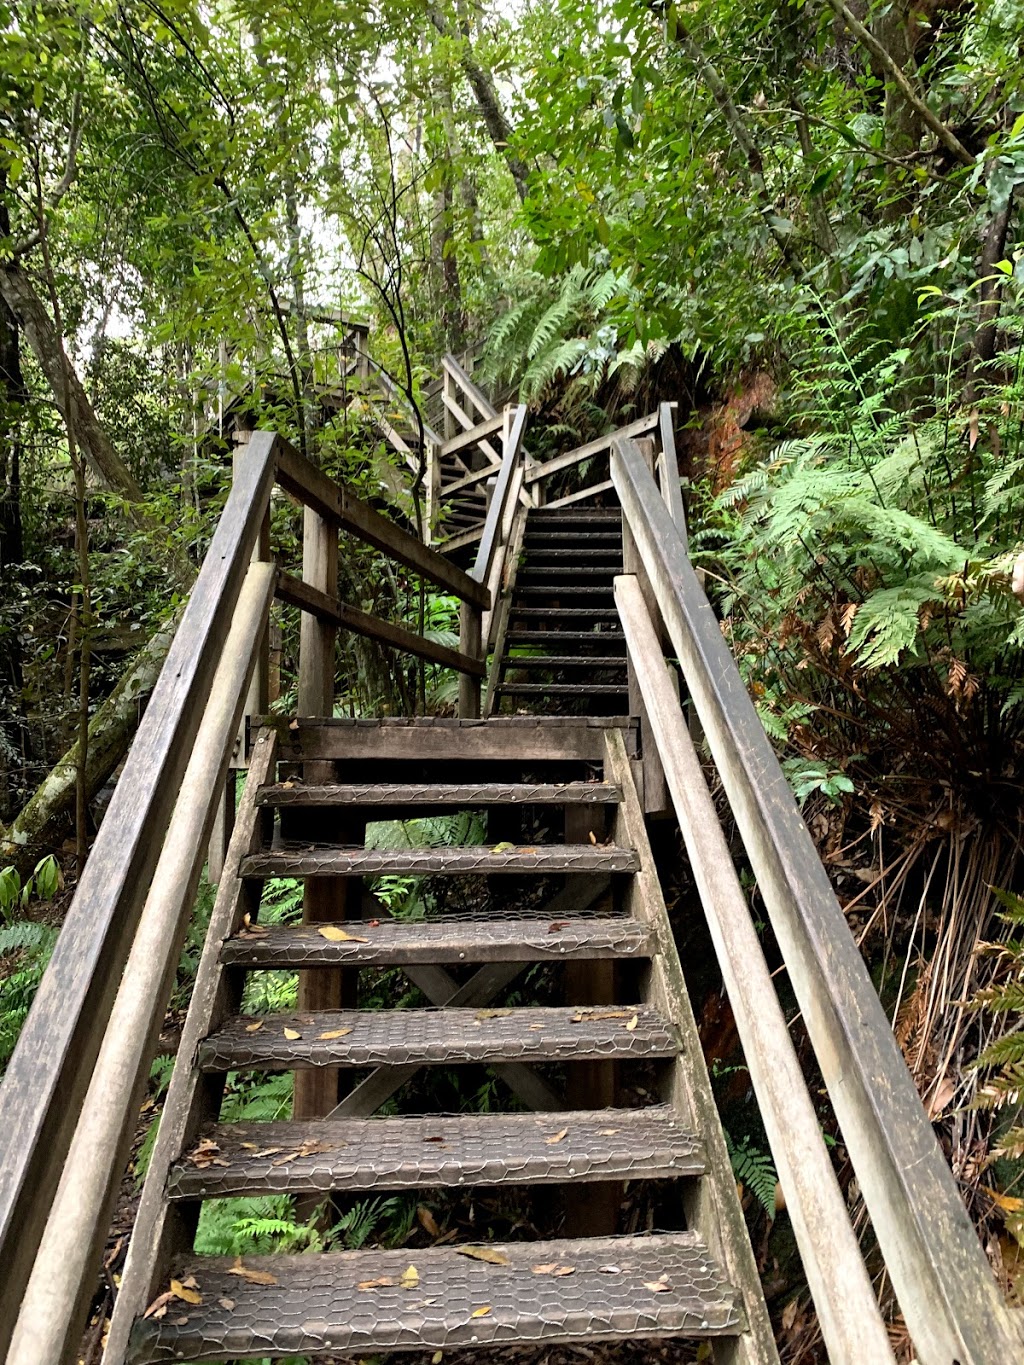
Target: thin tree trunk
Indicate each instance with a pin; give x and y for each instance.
(488, 102)
(47, 818)
(19, 294)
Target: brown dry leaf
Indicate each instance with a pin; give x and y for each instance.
(335, 934)
(252, 1028)
(382, 1283)
(292, 1034)
(226, 1304)
(268, 1151)
(550, 1141)
(410, 1278)
(591, 1015)
(557, 925)
(249, 1146)
(284, 1160)
(564, 1270)
(657, 1286)
(287, 786)
(293, 725)
(336, 1033)
(253, 1276)
(545, 1269)
(632, 1023)
(186, 1290)
(481, 1312)
(607, 1132)
(437, 1138)
(789, 1314)
(943, 1094)
(492, 1014)
(487, 1254)
(427, 1221)
(158, 1307)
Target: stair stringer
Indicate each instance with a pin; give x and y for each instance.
(712, 1204)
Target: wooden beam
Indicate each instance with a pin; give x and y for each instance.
(946, 1290)
(844, 1299)
(581, 494)
(63, 1278)
(48, 1074)
(638, 428)
(474, 435)
(468, 480)
(326, 608)
(511, 456)
(475, 395)
(336, 503)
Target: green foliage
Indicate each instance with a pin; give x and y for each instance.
(44, 884)
(755, 1169)
(25, 948)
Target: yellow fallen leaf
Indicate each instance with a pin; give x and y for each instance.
(292, 1034)
(251, 1028)
(336, 1033)
(410, 1278)
(631, 1025)
(1007, 1202)
(481, 1312)
(427, 1221)
(436, 1358)
(334, 934)
(253, 1276)
(182, 1290)
(550, 1141)
(487, 1254)
(504, 848)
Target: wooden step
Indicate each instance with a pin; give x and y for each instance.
(323, 860)
(553, 573)
(581, 552)
(600, 591)
(567, 613)
(396, 942)
(436, 1037)
(540, 518)
(581, 689)
(566, 637)
(462, 795)
(434, 1151)
(565, 661)
(356, 1303)
(536, 536)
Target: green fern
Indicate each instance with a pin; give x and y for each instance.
(755, 1169)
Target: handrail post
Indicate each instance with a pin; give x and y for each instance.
(471, 643)
(323, 898)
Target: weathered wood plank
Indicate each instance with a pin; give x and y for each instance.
(943, 1281)
(712, 1206)
(510, 459)
(638, 428)
(336, 503)
(580, 495)
(449, 490)
(844, 1299)
(326, 608)
(61, 1286)
(39, 1104)
(474, 436)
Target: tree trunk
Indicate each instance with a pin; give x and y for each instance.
(48, 817)
(19, 294)
(486, 95)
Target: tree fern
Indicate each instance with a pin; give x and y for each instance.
(754, 1168)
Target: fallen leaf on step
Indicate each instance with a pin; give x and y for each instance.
(253, 1276)
(249, 1146)
(492, 1014)
(631, 1025)
(599, 1014)
(550, 1141)
(528, 850)
(610, 1269)
(427, 1221)
(268, 1151)
(158, 1308)
(657, 1286)
(186, 1290)
(554, 1269)
(436, 1358)
(292, 1034)
(226, 1304)
(607, 1132)
(487, 1254)
(410, 1278)
(504, 848)
(252, 1028)
(481, 1312)
(293, 725)
(382, 1283)
(592, 836)
(287, 786)
(373, 924)
(336, 1033)
(565, 1270)
(334, 934)
(284, 1160)
(556, 926)
(249, 926)
(438, 1138)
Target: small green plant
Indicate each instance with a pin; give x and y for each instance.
(806, 777)
(30, 944)
(755, 1169)
(44, 884)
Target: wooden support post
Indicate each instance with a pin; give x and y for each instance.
(324, 898)
(432, 481)
(591, 1210)
(471, 643)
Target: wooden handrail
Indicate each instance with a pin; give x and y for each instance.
(39, 1104)
(638, 428)
(510, 463)
(327, 608)
(336, 503)
(949, 1298)
(473, 435)
(848, 1313)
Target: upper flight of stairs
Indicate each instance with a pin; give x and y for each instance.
(599, 1074)
(564, 650)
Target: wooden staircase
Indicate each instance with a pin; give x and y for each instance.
(602, 1077)
(564, 651)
